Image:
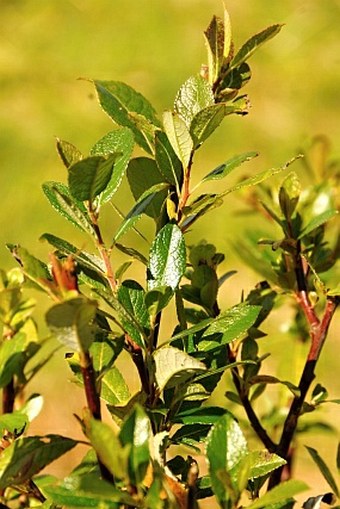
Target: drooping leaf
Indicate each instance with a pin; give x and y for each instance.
(68, 153)
(27, 456)
(284, 491)
(67, 206)
(90, 176)
(226, 448)
(167, 262)
(143, 174)
(167, 161)
(254, 43)
(216, 47)
(318, 221)
(173, 366)
(193, 96)
(133, 253)
(325, 471)
(142, 204)
(120, 142)
(179, 136)
(72, 323)
(135, 434)
(118, 100)
(226, 168)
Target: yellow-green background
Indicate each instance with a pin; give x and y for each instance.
(154, 45)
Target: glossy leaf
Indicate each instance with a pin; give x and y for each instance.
(68, 153)
(135, 434)
(131, 296)
(71, 322)
(325, 471)
(27, 456)
(143, 174)
(261, 463)
(90, 176)
(167, 262)
(226, 168)
(119, 142)
(179, 136)
(67, 206)
(215, 42)
(118, 100)
(158, 299)
(142, 204)
(193, 96)
(318, 221)
(205, 122)
(226, 448)
(114, 389)
(254, 43)
(167, 161)
(173, 366)
(284, 491)
(234, 323)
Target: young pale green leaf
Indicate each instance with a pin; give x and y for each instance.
(68, 153)
(226, 168)
(167, 161)
(14, 423)
(114, 390)
(119, 142)
(234, 323)
(289, 194)
(90, 176)
(135, 434)
(318, 221)
(67, 206)
(72, 323)
(34, 269)
(228, 41)
(179, 136)
(173, 366)
(280, 493)
(118, 100)
(108, 447)
(143, 174)
(216, 47)
(261, 463)
(325, 471)
(193, 96)
(226, 448)
(25, 457)
(254, 43)
(167, 261)
(142, 204)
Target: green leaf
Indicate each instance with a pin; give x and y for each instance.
(142, 204)
(318, 221)
(226, 448)
(193, 96)
(14, 423)
(135, 434)
(108, 447)
(179, 136)
(289, 194)
(25, 457)
(167, 262)
(167, 161)
(34, 269)
(131, 296)
(118, 100)
(90, 176)
(325, 471)
(173, 366)
(67, 206)
(234, 323)
(205, 415)
(158, 299)
(119, 142)
(253, 44)
(114, 389)
(205, 122)
(280, 493)
(72, 323)
(268, 379)
(261, 463)
(224, 169)
(133, 253)
(143, 174)
(200, 206)
(68, 153)
(216, 47)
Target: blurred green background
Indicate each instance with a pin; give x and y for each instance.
(45, 45)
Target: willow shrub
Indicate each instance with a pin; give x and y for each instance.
(97, 312)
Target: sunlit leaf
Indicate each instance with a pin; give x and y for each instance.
(193, 96)
(224, 169)
(179, 136)
(68, 153)
(254, 43)
(284, 491)
(173, 366)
